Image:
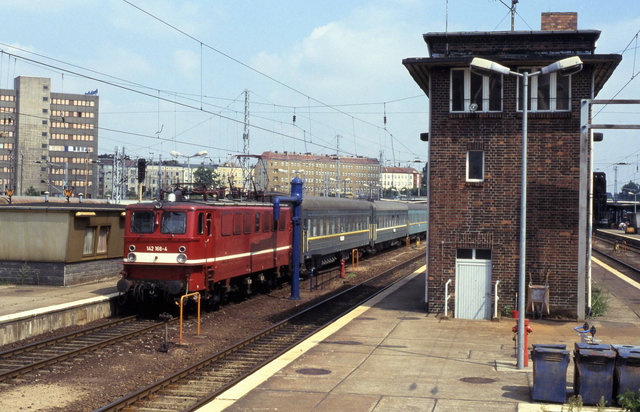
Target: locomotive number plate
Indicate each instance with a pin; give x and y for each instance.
(156, 248)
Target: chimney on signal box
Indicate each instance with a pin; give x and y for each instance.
(559, 21)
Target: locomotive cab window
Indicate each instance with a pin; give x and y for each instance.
(173, 223)
(142, 222)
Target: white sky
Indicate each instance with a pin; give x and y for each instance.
(342, 53)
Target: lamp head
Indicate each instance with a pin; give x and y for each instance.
(175, 153)
(565, 67)
(202, 153)
(486, 67)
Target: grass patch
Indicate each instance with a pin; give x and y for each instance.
(599, 301)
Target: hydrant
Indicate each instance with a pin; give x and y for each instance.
(342, 268)
(527, 330)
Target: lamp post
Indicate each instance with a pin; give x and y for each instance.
(201, 153)
(566, 66)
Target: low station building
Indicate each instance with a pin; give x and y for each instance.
(60, 244)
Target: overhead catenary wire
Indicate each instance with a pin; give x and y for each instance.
(202, 43)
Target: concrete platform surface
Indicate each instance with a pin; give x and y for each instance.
(16, 300)
(388, 355)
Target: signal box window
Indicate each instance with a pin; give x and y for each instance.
(142, 222)
(475, 166)
(173, 223)
(471, 92)
(547, 92)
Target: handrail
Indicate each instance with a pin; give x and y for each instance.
(447, 296)
(496, 299)
(181, 306)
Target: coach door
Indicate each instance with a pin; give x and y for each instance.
(473, 284)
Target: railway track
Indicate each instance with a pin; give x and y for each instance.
(620, 254)
(20, 361)
(198, 384)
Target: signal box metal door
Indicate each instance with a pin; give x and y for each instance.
(473, 289)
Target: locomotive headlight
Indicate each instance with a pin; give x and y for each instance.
(131, 256)
(182, 258)
(132, 248)
(182, 249)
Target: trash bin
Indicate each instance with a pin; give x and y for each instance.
(550, 373)
(593, 377)
(591, 346)
(626, 374)
(549, 345)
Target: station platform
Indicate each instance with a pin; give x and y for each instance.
(388, 355)
(16, 299)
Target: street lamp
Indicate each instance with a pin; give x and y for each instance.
(201, 153)
(567, 66)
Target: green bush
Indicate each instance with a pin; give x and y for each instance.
(630, 401)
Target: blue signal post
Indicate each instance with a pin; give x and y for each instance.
(296, 200)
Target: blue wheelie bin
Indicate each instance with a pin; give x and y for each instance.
(626, 374)
(593, 377)
(550, 364)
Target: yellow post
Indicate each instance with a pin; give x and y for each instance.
(408, 242)
(355, 255)
(181, 306)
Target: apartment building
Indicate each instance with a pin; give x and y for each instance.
(48, 140)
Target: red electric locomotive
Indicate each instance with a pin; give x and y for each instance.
(173, 248)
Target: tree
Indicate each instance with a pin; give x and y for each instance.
(206, 176)
(630, 187)
(31, 191)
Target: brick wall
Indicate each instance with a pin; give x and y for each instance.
(559, 21)
(487, 214)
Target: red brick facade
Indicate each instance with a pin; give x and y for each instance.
(486, 214)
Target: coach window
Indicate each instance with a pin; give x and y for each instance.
(237, 223)
(475, 166)
(200, 223)
(267, 222)
(257, 222)
(226, 224)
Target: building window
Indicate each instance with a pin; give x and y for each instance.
(103, 236)
(475, 254)
(44, 122)
(475, 166)
(45, 99)
(548, 92)
(471, 92)
(87, 249)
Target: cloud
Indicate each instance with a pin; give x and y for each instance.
(350, 55)
(186, 62)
